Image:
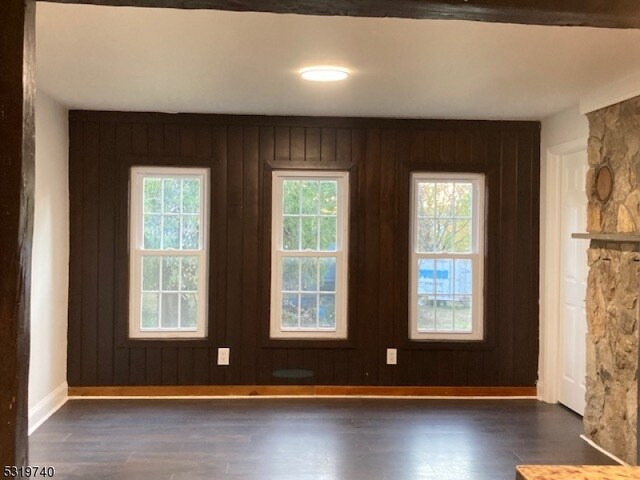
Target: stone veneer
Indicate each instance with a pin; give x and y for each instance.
(613, 284)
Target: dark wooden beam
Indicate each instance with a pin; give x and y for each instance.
(592, 13)
(17, 67)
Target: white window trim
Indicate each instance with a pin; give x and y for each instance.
(136, 252)
(341, 255)
(477, 257)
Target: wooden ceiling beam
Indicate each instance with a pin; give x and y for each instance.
(584, 13)
(17, 181)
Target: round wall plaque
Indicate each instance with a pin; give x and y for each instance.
(603, 183)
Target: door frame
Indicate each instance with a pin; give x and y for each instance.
(549, 375)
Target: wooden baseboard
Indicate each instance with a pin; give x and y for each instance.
(299, 390)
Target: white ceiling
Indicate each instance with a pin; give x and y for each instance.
(115, 58)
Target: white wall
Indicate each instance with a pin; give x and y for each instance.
(559, 132)
(563, 127)
(50, 270)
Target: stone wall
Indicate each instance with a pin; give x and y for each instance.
(614, 282)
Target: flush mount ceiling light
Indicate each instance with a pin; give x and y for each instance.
(324, 73)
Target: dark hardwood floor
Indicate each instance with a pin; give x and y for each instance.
(304, 439)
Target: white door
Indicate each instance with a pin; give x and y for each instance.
(573, 281)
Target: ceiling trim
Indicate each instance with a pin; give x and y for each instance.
(616, 92)
(591, 13)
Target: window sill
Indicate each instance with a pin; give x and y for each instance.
(310, 343)
(447, 338)
(167, 336)
(169, 342)
(434, 344)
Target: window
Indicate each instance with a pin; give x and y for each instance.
(447, 254)
(309, 255)
(168, 253)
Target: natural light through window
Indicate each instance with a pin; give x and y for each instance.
(309, 255)
(447, 253)
(168, 255)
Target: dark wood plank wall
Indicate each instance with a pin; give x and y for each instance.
(241, 152)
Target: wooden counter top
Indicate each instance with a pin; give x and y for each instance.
(586, 472)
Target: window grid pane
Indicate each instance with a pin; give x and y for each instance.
(308, 283)
(173, 281)
(443, 212)
(171, 209)
(444, 294)
(309, 215)
(150, 314)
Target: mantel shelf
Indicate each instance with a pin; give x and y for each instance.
(609, 237)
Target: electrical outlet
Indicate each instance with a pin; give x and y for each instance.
(223, 356)
(392, 356)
